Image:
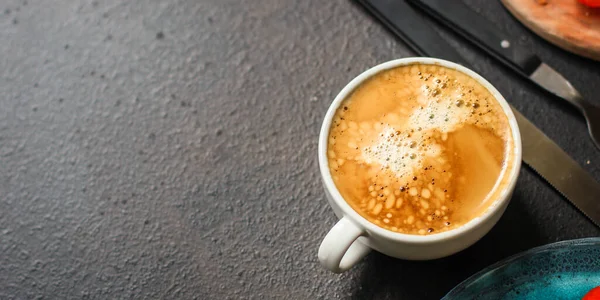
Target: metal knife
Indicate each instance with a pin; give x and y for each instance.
(539, 152)
(481, 32)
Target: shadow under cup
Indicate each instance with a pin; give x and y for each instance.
(354, 236)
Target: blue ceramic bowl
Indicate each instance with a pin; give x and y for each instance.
(563, 270)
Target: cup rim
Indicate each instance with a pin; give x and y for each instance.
(348, 211)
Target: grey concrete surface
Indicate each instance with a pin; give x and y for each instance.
(167, 150)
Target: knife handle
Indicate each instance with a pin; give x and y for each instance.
(480, 31)
(402, 20)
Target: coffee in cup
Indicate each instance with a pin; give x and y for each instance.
(420, 149)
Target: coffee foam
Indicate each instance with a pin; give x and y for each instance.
(443, 113)
(399, 153)
(403, 153)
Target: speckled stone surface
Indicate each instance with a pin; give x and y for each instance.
(167, 150)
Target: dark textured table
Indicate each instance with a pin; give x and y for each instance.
(167, 150)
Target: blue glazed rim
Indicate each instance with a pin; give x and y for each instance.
(457, 290)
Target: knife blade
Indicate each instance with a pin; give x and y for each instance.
(539, 152)
(559, 169)
(481, 32)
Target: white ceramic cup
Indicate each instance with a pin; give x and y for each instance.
(354, 236)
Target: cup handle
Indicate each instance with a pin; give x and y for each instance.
(339, 250)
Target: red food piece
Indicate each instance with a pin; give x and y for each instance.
(594, 294)
(590, 3)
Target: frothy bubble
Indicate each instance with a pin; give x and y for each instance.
(403, 153)
(400, 153)
(439, 113)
